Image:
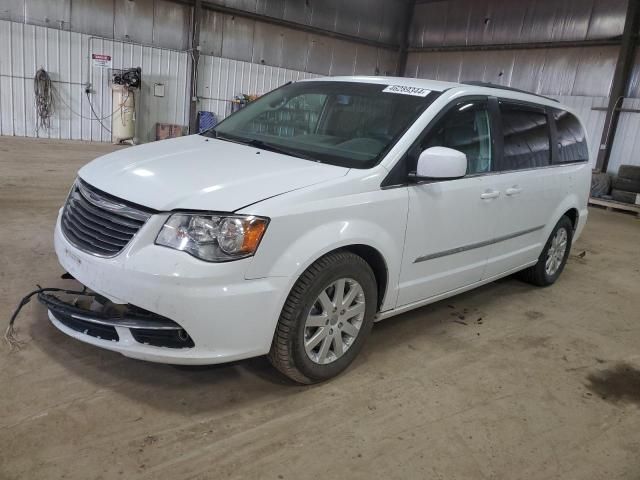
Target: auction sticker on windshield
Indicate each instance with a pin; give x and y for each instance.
(415, 91)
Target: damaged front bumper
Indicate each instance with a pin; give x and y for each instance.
(97, 317)
(227, 317)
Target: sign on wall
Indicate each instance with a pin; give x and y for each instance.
(101, 61)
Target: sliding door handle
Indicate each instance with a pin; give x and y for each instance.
(513, 191)
(489, 194)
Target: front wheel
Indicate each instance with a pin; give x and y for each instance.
(326, 318)
(553, 257)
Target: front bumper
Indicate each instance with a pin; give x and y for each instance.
(227, 316)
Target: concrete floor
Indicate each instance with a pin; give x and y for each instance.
(508, 381)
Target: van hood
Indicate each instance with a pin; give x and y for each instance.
(201, 173)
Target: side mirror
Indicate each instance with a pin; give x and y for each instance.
(439, 163)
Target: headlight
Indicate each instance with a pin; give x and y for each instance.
(214, 238)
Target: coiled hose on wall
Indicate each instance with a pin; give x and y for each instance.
(43, 92)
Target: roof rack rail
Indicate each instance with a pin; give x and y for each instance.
(501, 87)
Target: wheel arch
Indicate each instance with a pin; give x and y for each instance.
(573, 215)
(376, 261)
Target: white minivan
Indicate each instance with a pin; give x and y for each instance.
(320, 208)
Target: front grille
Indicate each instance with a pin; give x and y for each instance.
(98, 223)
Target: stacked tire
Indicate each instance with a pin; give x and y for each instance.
(626, 185)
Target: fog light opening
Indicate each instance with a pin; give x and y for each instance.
(183, 335)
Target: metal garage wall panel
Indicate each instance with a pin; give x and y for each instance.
(474, 22)
(348, 18)
(93, 17)
(267, 44)
(221, 79)
(505, 21)
(12, 11)
(572, 19)
(527, 69)
(54, 14)
(455, 31)
(595, 71)
(450, 66)
(65, 55)
(429, 22)
(387, 62)
(211, 30)
(271, 8)
(366, 61)
(295, 47)
(634, 82)
(323, 14)
(478, 23)
(626, 145)
(133, 20)
(585, 71)
(392, 21)
(343, 58)
(247, 5)
(171, 23)
(297, 11)
(237, 40)
(499, 67)
(559, 71)
(319, 55)
(607, 18)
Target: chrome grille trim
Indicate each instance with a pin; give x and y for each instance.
(99, 224)
(105, 203)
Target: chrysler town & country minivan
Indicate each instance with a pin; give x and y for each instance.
(325, 205)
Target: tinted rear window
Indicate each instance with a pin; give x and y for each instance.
(572, 144)
(526, 137)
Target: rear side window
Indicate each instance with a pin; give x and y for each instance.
(572, 144)
(526, 137)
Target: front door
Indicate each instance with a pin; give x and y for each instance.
(450, 223)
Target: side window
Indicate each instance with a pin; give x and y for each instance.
(466, 128)
(572, 144)
(526, 137)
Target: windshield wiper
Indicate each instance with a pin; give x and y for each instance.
(278, 149)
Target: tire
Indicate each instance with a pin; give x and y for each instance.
(624, 197)
(632, 172)
(304, 306)
(600, 184)
(626, 184)
(538, 273)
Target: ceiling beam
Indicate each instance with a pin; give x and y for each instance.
(289, 24)
(518, 46)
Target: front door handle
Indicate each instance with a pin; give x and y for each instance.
(515, 190)
(489, 194)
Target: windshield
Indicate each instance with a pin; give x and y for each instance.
(342, 123)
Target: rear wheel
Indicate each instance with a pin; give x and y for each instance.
(553, 257)
(326, 318)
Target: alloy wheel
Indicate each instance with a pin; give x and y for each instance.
(334, 321)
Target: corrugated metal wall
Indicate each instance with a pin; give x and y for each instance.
(579, 77)
(65, 55)
(379, 20)
(482, 22)
(266, 44)
(165, 24)
(221, 79)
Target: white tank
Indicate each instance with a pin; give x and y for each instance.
(123, 121)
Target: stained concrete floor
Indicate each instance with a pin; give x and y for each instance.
(531, 384)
